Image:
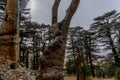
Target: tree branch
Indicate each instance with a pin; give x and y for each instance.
(71, 10)
(69, 13)
(55, 11)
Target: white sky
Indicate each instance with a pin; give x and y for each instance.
(88, 9)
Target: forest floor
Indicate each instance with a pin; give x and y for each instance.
(74, 78)
(21, 73)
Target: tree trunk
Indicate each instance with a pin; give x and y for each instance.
(52, 60)
(91, 64)
(74, 54)
(9, 34)
(27, 58)
(80, 69)
(115, 54)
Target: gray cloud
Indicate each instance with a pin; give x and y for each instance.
(88, 9)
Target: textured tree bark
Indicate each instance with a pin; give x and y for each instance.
(52, 60)
(9, 34)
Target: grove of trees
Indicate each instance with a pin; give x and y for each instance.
(45, 48)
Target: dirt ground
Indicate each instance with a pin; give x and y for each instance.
(74, 78)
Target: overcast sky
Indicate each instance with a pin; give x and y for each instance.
(88, 9)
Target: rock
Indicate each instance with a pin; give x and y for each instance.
(20, 73)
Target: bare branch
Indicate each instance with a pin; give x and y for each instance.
(71, 10)
(55, 11)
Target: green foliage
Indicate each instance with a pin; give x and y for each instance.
(109, 66)
(110, 70)
(105, 69)
(99, 69)
(107, 33)
(88, 70)
(70, 67)
(117, 74)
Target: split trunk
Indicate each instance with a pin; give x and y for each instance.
(52, 60)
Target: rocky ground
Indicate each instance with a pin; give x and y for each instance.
(20, 73)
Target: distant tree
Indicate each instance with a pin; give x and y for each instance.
(116, 30)
(75, 41)
(103, 26)
(24, 20)
(84, 39)
(90, 47)
(34, 38)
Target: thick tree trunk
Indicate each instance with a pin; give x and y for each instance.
(52, 60)
(9, 34)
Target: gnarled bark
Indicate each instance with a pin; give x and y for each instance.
(9, 34)
(52, 60)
